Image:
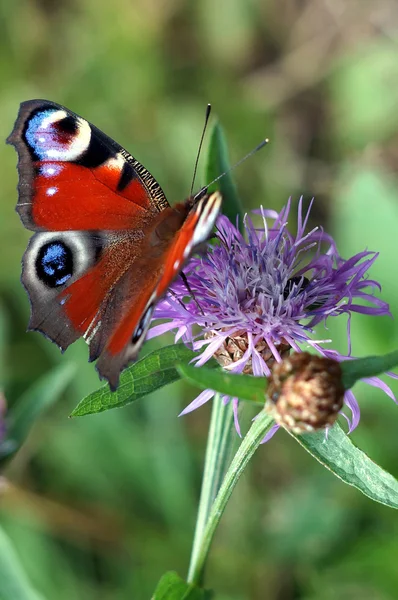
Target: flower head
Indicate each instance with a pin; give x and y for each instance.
(305, 392)
(256, 297)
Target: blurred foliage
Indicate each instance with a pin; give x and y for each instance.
(100, 507)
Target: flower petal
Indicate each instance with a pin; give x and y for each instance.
(199, 401)
(270, 433)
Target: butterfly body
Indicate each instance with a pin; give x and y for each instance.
(107, 244)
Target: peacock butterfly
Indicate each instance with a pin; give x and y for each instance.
(107, 244)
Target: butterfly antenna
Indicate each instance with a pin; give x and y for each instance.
(256, 149)
(208, 111)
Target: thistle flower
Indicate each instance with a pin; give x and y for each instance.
(258, 296)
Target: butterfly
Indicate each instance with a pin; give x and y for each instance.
(107, 244)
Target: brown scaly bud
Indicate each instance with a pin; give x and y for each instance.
(305, 392)
(235, 346)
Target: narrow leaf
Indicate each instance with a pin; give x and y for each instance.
(172, 587)
(217, 163)
(353, 370)
(338, 454)
(244, 387)
(14, 584)
(151, 373)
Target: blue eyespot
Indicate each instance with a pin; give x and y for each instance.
(54, 263)
(38, 137)
(51, 134)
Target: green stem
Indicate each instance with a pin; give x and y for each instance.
(217, 451)
(249, 445)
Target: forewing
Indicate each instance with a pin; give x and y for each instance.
(74, 177)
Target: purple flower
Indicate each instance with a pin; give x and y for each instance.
(257, 297)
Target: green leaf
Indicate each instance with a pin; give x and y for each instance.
(244, 387)
(353, 370)
(337, 453)
(35, 401)
(152, 372)
(14, 584)
(172, 587)
(252, 389)
(217, 163)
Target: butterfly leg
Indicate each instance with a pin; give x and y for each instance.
(190, 291)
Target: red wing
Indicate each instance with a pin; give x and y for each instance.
(74, 177)
(70, 276)
(196, 229)
(126, 328)
(156, 275)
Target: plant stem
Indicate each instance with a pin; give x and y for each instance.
(217, 451)
(246, 450)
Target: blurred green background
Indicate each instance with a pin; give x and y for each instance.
(99, 507)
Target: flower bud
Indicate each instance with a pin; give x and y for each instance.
(305, 392)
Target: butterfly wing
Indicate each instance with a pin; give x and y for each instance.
(70, 275)
(89, 202)
(156, 271)
(74, 177)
